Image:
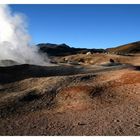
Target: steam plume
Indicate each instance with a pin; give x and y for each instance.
(15, 40)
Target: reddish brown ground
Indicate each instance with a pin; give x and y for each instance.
(104, 103)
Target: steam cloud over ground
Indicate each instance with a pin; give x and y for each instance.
(14, 39)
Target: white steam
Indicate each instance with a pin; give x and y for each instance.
(14, 39)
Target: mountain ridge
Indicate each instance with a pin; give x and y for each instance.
(133, 47)
(65, 50)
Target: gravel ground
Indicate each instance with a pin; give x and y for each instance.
(70, 100)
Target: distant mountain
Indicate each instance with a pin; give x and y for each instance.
(64, 50)
(126, 49)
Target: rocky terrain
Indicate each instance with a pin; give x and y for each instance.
(79, 94)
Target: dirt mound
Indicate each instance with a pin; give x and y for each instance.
(98, 59)
(74, 97)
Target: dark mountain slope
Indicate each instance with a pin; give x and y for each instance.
(64, 50)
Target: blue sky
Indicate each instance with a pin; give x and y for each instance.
(84, 26)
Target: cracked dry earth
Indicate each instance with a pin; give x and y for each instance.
(104, 103)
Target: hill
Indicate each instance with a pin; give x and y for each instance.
(64, 50)
(126, 49)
